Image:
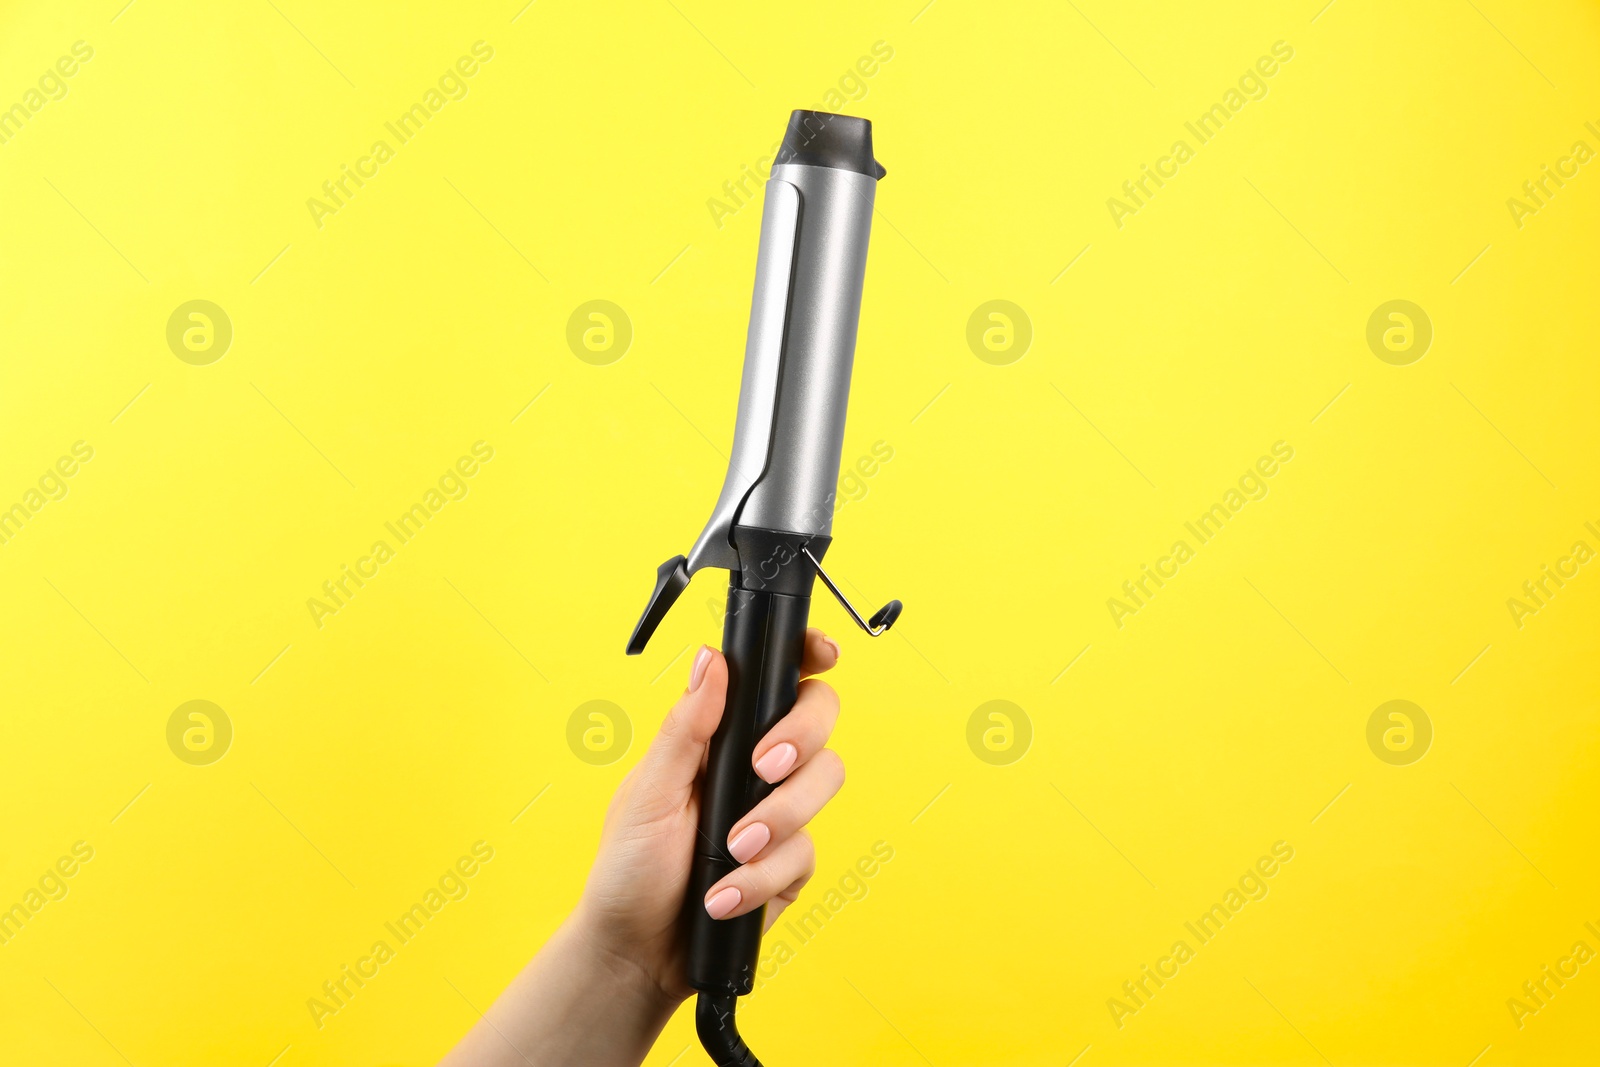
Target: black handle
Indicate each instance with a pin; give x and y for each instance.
(763, 640)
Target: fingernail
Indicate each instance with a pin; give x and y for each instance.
(775, 764)
(831, 643)
(697, 673)
(723, 902)
(751, 839)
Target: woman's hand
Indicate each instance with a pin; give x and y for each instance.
(634, 897)
(607, 981)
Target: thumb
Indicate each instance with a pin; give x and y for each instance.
(674, 758)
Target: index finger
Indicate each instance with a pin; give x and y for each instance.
(821, 653)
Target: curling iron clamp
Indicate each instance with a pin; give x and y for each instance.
(773, 521)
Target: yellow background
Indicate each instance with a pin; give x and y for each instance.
(1228, 714)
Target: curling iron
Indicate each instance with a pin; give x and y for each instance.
(773, 521)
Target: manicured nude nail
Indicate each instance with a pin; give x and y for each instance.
(750, 840)
(697, 673)
(777, 763)
(723, 902)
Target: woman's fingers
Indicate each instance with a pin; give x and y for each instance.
(800, 734)
(791, 806)
(786, 896)
(784, 869)
(778, 858)
(821, 653)
(805, 730)
(679, 748)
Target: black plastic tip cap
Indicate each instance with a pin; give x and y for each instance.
(885, 616)
(820, 139)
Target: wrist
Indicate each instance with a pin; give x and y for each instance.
(618, 970)
(579, 1000)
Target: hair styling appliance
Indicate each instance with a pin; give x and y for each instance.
(773, 521)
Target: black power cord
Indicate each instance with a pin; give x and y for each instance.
(713, 1021)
